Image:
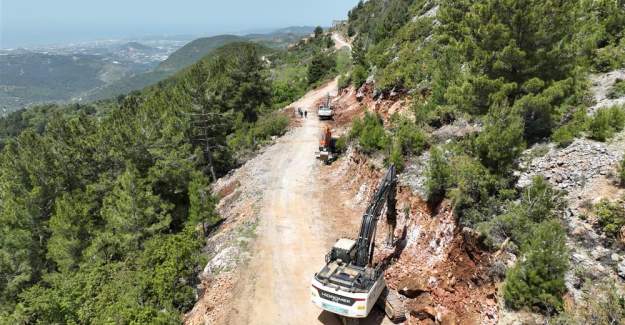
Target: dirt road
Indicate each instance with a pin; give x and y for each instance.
(290, 245)
(340, 42)
(293, 235)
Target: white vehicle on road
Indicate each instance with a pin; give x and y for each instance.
(325, 110)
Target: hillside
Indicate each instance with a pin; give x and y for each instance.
(505, 119)
(107, 171)
(198, 199)
(33, 77)
(194, 51)
(36, 77)
(191, 53)
(67, 74)
(454, 93)
(107, 219)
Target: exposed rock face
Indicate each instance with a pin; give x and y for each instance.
(459, 129)
(601, 85)
(584, 170)
(412, 287)
(621, 269)
(572, 167)
(441, 279)
(414, 173)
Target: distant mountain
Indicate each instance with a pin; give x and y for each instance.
(72, 72)
(300, 30)
(193, 52)
(200, 47)
(135, 46)
(104, 72)
(38, 77)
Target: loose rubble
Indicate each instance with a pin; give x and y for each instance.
(458, 129)
(573, 167)
(414, 173)
(601, 85)
(585, 172)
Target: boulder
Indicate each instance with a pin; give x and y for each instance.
(620, 269)
(447, 318)
(412, 287)
(423, 312)
(422, 307)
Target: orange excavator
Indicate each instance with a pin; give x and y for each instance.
(327, 149)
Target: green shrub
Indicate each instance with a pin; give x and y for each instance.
(434, 115)
(501, 141)
(611, 217)
(359, 75)
(410, 137)
(343, 60)
(617, 118)
(537, 279)
(357, 126)
(341, 143)
(608, 58)
(606, 122)
(284, 93)
(563, 136)
(344, 81)
(397, 157)
(270, 125)
(250, 135)
(438, 176)
(617, 90)
(621, 171)
(320, 67)
(370, 133)
(473, 186)
(599, 126)
(511, 225)
(566, 133)
(539, 202)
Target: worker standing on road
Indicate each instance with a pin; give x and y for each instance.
(306, 114)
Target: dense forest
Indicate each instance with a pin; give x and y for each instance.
(105, 205)
(517, 68)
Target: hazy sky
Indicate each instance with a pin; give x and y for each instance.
(36, 22)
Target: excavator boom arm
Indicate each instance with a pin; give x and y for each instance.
(385, 194)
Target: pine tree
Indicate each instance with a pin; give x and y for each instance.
(201, 203)
(132, 212)
(69, 228)
(318, 31)
(501, 141)
(438, 176)
(537, 280)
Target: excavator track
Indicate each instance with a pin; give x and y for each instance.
(393, 306)
(349, 320)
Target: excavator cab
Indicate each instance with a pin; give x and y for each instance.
(344, 249)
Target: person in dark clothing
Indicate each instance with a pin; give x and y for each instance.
(305, 114)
